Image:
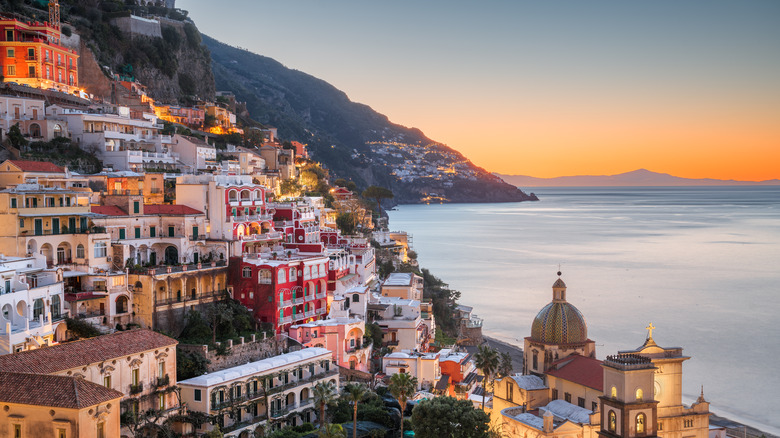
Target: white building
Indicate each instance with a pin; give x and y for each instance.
(120, 141)
(31, 302)
(236, 396)
(194, 153)
(424, 366)
(401, 322)
(30, 114)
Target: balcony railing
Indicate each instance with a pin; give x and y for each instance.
(321, 295)
(286, 320)
(161, 270)
(198, 237)
(162, 381)
(298, 300)
(320, 311)
(135, 389)
(287, 303)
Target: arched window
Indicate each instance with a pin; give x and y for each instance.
(355, 298)
(80, 251)
(293, 277)
(536, 360)
(37, 308)
(55, 306)
(613, 393)
(246, 272)
(639, 394)
(612, 421)
(640, 423)
(281, 277)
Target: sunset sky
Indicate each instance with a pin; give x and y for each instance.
(544, 88)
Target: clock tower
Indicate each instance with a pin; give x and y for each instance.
(628, 409)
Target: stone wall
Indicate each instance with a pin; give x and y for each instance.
(133, 25)
(242, 352)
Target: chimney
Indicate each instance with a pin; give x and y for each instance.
(548, 422)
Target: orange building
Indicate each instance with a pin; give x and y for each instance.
(31, 54)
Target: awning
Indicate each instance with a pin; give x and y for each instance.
(69, 274)
(84, 296)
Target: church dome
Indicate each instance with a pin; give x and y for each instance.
(559, 322)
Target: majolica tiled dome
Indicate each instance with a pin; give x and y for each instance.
(559, 322)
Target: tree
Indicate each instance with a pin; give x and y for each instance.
(332, 431)
(355, 393)
(289, 187)
(505, 365)
(324, 395)
(16, 138)
(402, 386)
(346, 223)
(486, 360)
(450, 417)
(377, 193)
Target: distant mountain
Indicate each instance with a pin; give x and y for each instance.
(351, 139)
(641, 177)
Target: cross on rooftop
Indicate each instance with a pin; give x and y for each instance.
(650, 329)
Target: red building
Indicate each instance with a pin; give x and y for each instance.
(31, 54)
(286, 288)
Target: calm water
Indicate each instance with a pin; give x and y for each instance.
(701, 264)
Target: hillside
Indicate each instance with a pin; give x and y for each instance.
(351, 139)
(640, 177)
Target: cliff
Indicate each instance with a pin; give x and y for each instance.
(350, 138)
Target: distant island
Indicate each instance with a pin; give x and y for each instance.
(640, 177)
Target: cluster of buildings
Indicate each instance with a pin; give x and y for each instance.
(565, 391)
(411, 162)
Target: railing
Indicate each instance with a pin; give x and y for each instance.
(135, 389)
(320, 311)
(286, 320)
(265, 280)
(306, 402)
(309, 314)
(155, 191)
(126, 192)
(276, 413)
(287, 303)
(161, 270)
(162, 381)
(241, 424)
(320, 295)
(298, 300)
(198, 237)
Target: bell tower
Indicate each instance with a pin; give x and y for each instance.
(628, 409)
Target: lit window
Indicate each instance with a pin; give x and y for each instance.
(612, 421)
(613, 392)
(639, 394)
(640, 423)
(107, 381)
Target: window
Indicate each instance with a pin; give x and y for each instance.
(11, 70)
(100, 249)
(687, 423)
(107, 381)
(594, 406)
(17, 431)
(171, 231)
(639, 394)
(136, 207)
(247, 272)
(660, 426)
(31, 71)
(640, 423)
(567, 397)
(536, 360)
(580, 402)
(122, 235)
(80, 251)
(9, 35)
(509, 391)
(11, 53)
(21, 223)
(612, 424)
(13, 202)
(61, 433)
(161, 369)
(135, 376)
(293, 277)
(152, 231)
(613, 392)
(198, 395)
(281, 277)
(161, 401)
(137, 232)
(355, 298)
(101, 430)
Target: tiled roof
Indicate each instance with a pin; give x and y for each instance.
(37, 166)
(108, 210)
(54, 391)
(69, 355)
(169, 209)
(578, 369)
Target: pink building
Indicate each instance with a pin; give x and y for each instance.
(342, 336)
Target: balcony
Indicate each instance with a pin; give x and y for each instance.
(287, 303)
(276, 413)
(136, 389)
(126, 192)
(320, 295)
(298, 300)
(198, 237)
(162, 270)
(162, 381)
(286, 320)
(320, 311)
(241, 424)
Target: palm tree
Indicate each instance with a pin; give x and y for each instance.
(402, 386)
(332, 431)
(355, 392)
(486, 360)
(324, 394)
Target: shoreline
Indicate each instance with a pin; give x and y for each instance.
(733, 428)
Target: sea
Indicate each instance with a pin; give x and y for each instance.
(701, 263)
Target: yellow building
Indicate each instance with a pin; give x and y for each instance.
(57, 406)
(139, 364)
